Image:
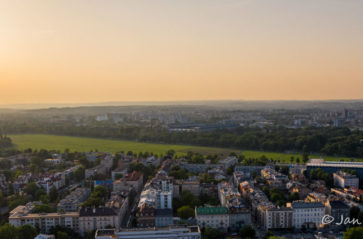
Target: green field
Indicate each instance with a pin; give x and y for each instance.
(81, 144)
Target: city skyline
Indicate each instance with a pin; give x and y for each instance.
(63, 52)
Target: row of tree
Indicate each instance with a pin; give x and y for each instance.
(327, 140)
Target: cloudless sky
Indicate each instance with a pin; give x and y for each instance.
(163, 50)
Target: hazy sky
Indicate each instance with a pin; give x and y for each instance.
(105, 50)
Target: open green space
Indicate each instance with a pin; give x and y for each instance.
(83, 144)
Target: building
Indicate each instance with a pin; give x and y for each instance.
(47, 181)
(103, 168)
(131, 180)
(345, 180)
(337, 209)
(4, 187)
(163, 217)
(316, 197)
(21, 181)
(277, 218)
(54, 161)
(121, 170)
(22, 215)
(152, 160)
(145, 216)
(238, 217)
(226, 192)
(250, 169)
(332, 167)
(213, 217)
(228, 162)
(171, 232)
(199, 168)
(72, 201)
(240, 176)
(97, 218)
(157, 194)
(186, 185)
(120, 203)
(307, 214)
(44, 236)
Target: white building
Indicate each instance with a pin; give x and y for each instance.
(22, 215)
(344, 180)
(97, 218)
(213, 217)
(44, 236)
(171, 232)
(307, 214)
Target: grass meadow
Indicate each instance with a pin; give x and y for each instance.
(83, 144)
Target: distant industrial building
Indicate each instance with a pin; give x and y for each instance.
(332, 167)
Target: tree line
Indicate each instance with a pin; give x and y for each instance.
(331, 141)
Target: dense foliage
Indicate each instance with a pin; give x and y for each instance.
(5, 141)
(8, 231)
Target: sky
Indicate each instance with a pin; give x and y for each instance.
(74, 51)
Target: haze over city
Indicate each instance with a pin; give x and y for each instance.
(97, 51)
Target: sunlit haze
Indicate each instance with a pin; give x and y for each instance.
(97, 51)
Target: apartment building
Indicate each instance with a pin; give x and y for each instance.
(97, 218)
(278, 218)
(307, 214)
(213, 217)
(186, 185)
(120, 203)
(337, 209)
(171, 232)
(103, 168)
(157, 194)
(72, 201)
(22, 215)
(131, 180)
(345, 180)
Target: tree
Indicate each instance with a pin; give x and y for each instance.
(353, 233)
(354, 212)
(31, 189)
(79, 174)
(294, 196)
(26, 232)
(53, 194)
(211, 233)
(62, 235)
(305, 156)
(267, 235)
(7, 231)
(185, 212)
(247, 232)
(43, 208)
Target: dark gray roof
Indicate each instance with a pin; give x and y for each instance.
(306, 204)
(95, 212)
(338, 204)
